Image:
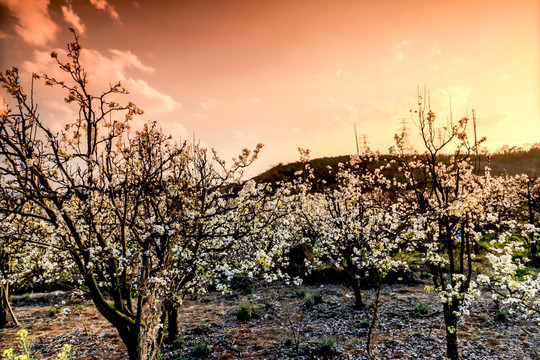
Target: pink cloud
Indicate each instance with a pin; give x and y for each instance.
(34, 24)
(109, 68)
(71, 17)
(3, 106)
(128, 59)
(104, 5)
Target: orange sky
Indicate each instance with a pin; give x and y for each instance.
(293, 73)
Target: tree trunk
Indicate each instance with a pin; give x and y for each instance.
(476, 248)
(535, 260)
(374, 320)
(142, 337)
(358, 303)
(450, 321)
(150, 327)
(132, 340)
(4, 306)
(172, 324)
(143, 342)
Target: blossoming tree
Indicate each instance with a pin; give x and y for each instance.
(91, 184)
(445, 194)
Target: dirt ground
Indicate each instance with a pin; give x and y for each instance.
(331, 329)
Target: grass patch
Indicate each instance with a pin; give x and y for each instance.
(246, 310)
(421, 309)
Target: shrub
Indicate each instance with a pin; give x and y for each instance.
(313, 299)
(55, 310)
(201, 329)
(309, 301)
(326, 345)
(179, 341)
(288, 341)
(201, 349)
(246, 310)
(364, 324)
(501, 315)
(300, 293)
(421, 309)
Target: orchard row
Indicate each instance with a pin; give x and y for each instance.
(137, 221)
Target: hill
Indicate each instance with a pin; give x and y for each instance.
(511, 163)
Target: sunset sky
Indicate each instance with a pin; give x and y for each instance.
(292, 73)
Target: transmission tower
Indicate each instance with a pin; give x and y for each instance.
(405, 135)
(365, 143)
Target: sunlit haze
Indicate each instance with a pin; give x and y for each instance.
(292, 73)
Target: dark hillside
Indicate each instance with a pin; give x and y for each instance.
(511, 163)
(520, 162)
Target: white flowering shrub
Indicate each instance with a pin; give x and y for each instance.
(219, 225)
(27, 260)
(448, 205)
(354, 225)
(514, 234)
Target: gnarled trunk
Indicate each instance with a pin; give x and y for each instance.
(142, 333)
(4, 306)
(172, 323)
(450, 322)
(143, 339)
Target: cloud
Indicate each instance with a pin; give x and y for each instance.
(242, 135)
(3, 107)
(493, 120)
(104, 5)
(200, 116)
(110, 68)
(71, 17)
(243, 101)
(397, 50)
(58, 113)
(128, 59)
(210, 103)
(34, 24)
(435, 50)
(451, 72)
(176, 130)
(149, 98)
(458, 96)
(502, 77)
(353, 111)
(333, 101)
